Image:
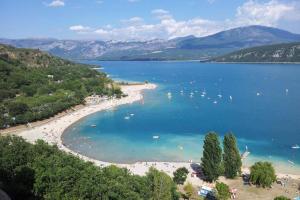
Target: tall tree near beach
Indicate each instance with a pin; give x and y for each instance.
(212, 157)
(231, 157)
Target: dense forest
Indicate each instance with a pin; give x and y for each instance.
(41, 171)
(35, 85)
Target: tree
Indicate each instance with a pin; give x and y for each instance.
(222, 191)
(189, 190)
(180, 175)
(231, 157)
(16, 108)
(41, 171)
(281, 198)
(212, 157)
(161, 185)
(262, 174)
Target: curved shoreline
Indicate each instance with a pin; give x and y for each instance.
(52, 131)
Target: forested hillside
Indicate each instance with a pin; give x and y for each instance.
(35, 85)
(41, 171)
(287, 52)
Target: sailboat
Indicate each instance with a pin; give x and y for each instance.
(246, 153)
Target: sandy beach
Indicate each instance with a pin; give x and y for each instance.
(52, 130)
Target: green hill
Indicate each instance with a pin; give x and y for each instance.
(35, 85)
(278, 53)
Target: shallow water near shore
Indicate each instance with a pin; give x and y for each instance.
(259, 103)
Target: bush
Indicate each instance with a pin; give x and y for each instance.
(281, 198)
(189, 190)
(223, 192)
(180, 175)
(262, 174)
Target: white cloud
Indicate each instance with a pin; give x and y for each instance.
(133, 21)
(210, 1)
(56, 3)
(79, 28)
(268, 13)
(161, 14)
(252, 12)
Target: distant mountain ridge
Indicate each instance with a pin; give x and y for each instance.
(276, 53)
(182, 48)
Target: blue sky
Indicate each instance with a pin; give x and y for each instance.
(140, 19)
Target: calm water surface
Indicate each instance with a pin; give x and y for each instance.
(263, 112)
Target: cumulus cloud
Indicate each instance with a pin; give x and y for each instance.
(252, 12)
(56, 3)
(79, 28)
(133, 21)
(268, 13)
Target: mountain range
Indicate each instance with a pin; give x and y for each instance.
(183, 48)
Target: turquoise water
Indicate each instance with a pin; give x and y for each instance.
(268, 122)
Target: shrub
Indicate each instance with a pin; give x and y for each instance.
(189, 190)
(180, 175)
(222, 191)
(262, 174)
(281, 198)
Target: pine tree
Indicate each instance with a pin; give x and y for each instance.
(231, 157)
(212, 157)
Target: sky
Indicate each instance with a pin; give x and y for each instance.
(125, 20)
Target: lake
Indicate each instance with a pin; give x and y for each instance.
(259, 103)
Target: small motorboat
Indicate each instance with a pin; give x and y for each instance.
(127, 117)
(296, 146)
(93, 125)
(155, 137)
(291, 162)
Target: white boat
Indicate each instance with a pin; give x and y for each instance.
(127, 117)
(215, 102)
(245, 154)
(180, 147)
(202, 95)
(291, 162)
(93, 125)
(219, 95)
(296, 146)
(286, 91)
(155, 136)
(169, 94)
(257, 94)
(131, 114)
(230, 97)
